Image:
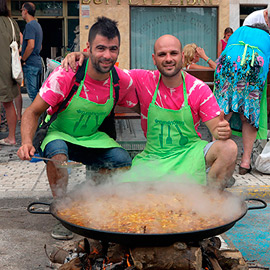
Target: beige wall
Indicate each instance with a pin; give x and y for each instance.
(119, 11)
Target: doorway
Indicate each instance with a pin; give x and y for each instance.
(52, 37)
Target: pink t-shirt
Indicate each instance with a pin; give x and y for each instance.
(200, 97)
(60, 82)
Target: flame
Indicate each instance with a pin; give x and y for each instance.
(104, 265)
(128, 263)
(95, 251)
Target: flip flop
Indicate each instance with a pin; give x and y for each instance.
(3, 142)
(243, 171)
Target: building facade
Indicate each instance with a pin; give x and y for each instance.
(66, 23)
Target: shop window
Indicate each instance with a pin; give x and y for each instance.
(46, 8)
(198, 25)
(74, 35)
(73, 8)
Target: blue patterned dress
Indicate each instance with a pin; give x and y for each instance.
(240, 78)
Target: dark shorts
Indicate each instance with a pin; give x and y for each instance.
(96, 158)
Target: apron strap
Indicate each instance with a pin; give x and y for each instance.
(184, 90)
(79, 77)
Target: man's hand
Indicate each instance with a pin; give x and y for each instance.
(70, 60)
(223, 128)
(219, 127)
(26, 151)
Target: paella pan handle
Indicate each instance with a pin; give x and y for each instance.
(31, 208)
(264, 204)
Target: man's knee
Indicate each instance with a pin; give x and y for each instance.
(56, 147)
(228, 147)
(120, 158)
(222, 149)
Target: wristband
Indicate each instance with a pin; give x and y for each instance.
(208, 60)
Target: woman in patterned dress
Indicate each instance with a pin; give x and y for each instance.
(240, 86)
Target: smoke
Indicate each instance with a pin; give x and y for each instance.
(124, 193)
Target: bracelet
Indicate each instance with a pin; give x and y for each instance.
(208, 60)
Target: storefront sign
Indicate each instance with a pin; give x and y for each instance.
(151, 2)
(85, 11)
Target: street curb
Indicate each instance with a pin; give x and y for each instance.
(257, 192)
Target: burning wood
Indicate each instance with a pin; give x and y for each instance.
(90, 254)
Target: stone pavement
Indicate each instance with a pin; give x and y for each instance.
(27, 179)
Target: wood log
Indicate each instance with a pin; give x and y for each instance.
(116, 252)
(231, 260)
(178, 256)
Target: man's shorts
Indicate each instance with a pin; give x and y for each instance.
(207, 147)
(96, 158)
(205, 151)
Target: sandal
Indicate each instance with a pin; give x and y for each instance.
(61, 233)
(243, 171)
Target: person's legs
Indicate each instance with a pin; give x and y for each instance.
(32, 80)
(100, 158)
(249, 134)
(101, 162)
(58, 180)
(221, 158)
(57, 177)
(18, 104)
(11, 121)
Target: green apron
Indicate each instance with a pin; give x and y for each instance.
(173, 145)
(79, 122)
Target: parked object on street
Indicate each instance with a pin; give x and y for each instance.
(262, 163)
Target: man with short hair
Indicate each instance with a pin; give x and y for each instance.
(74, 134)
(31, 47)
(258, 16)
(172, 104)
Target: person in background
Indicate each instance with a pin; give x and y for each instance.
(191, 56)
(259, 16)
(240, 88)
(31, 47)
(8, 86)
(223, 42)
(75, 133)
(172, 104)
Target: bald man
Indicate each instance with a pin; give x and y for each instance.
(172, 104)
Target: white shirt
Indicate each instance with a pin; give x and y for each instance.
(255, 17)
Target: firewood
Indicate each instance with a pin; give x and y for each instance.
(58, 255)
(231, 260)
(177, 256)
(116, 252)
(74, 264)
